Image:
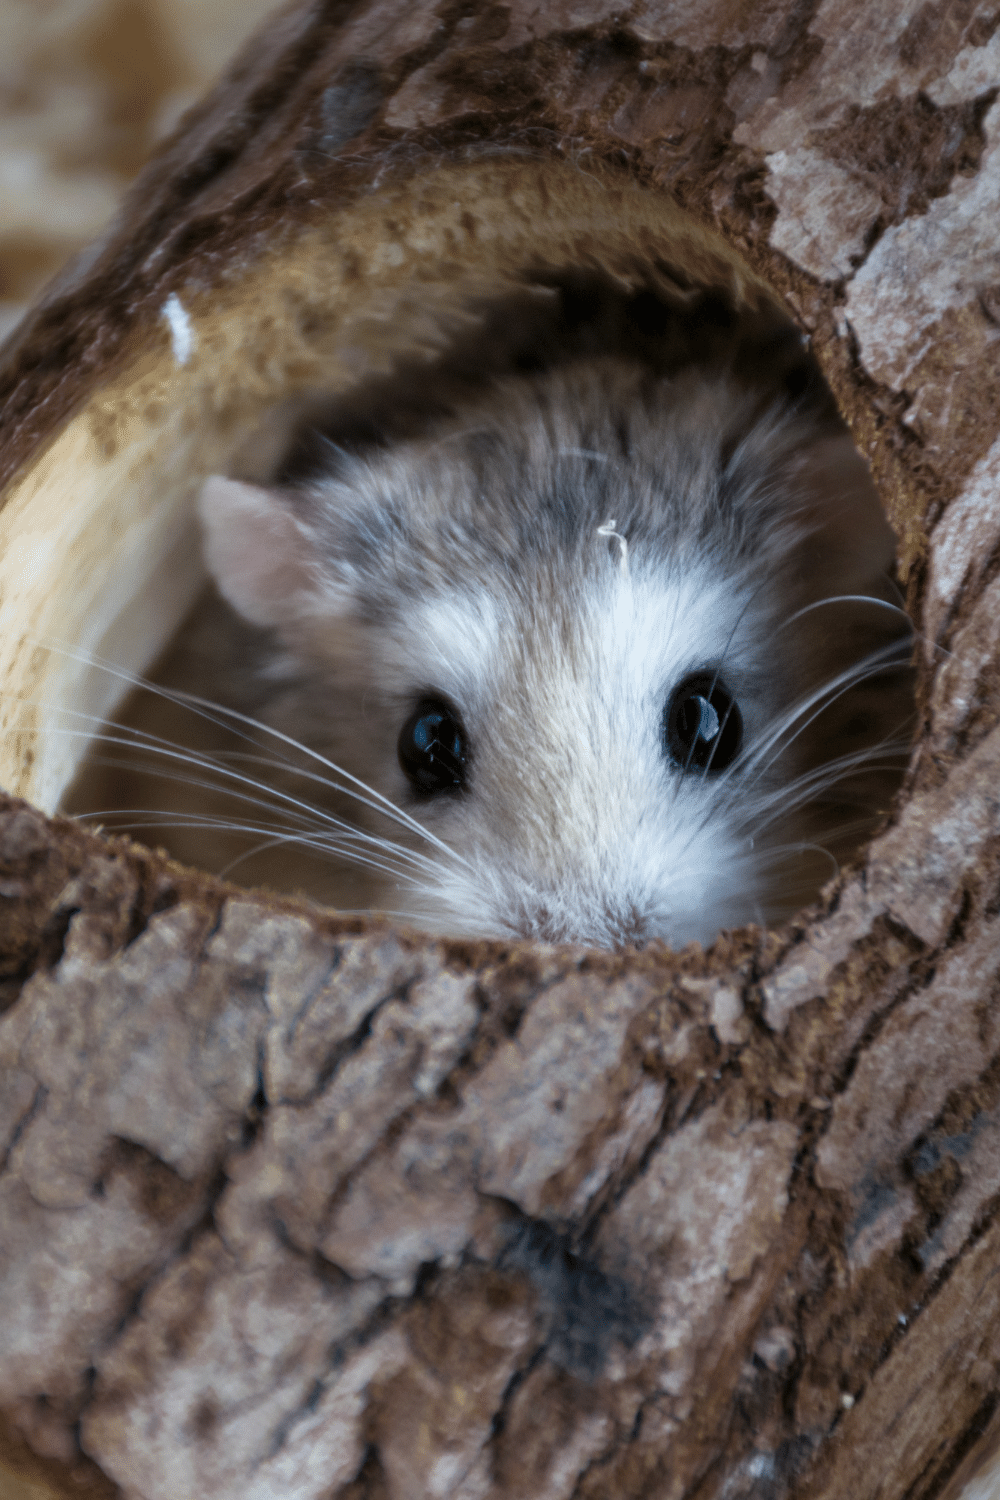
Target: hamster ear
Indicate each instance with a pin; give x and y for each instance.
(260, 556)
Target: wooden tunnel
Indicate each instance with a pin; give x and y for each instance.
(302, 1205)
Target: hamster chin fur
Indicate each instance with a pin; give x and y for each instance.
(606, 656)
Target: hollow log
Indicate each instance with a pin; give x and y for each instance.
(304, 1205)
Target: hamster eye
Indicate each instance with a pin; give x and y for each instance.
(431, 747)
(702, 726)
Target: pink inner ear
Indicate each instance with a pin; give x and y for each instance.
(255, 549)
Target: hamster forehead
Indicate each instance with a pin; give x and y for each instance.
(573, 651)
(521, 486)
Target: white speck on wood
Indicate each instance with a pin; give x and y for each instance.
(181, 332)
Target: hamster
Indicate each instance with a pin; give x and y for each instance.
(607, 656)
(597, 645)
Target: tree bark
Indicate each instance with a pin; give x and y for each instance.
(299, 1205)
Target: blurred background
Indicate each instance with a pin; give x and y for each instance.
(87, 88)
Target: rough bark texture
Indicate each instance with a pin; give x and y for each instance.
(299, 1206)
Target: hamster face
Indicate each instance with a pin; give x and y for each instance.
(602, 650)
(570, 814)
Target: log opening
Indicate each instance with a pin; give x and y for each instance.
(296, 1202)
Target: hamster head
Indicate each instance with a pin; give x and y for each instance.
(576, 639)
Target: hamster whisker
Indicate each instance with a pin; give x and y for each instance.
(232, 785)
(383, 806)
(330, 836)
(226, 718)
(891, 746)
(227, 825)
(789, 726)
(341, 843)
(811, 785)
(912, 634)
(807, 609)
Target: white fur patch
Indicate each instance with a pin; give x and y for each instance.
(457, 643)
(605, 838)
